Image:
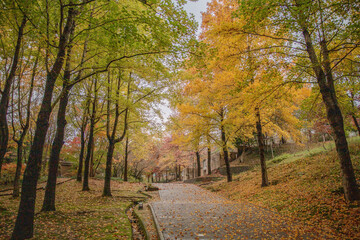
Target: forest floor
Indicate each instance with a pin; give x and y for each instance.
(79, 215)
(305, 186)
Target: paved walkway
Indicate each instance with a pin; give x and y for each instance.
(186, 211)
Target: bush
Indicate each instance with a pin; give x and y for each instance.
(8, 173)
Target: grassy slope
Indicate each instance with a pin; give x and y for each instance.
(79, 215)
(306, 186)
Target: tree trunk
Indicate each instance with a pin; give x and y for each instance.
(198, 163)
(89, 148)
(209, 160)
(264, 176)
(110, 153)
(111, 136)
(243, 153)
(91, 165)
(50, 190)
(21, 151)
(18, 169)
(334, 115)
(81, 156)
(5, 96)
(49, 199)
(126, 159)
(24, 225)
(87, 158)
(271, 148)
(84, 118)
(176, 172)
(356, 123)
(224, 149)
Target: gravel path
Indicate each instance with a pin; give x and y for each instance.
(186, 211)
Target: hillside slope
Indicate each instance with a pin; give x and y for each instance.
(308, 189)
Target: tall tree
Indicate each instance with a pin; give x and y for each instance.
(24, 126)
(320, 29)
(49, 198)
(5, 93)
(111, 133)
(24, 225)
(83, 124)
(91, 137)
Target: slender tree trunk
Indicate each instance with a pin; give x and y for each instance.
(87, 158)
(242, 156)
(84, 118)
(356, 123)
(90, 143)
(5, 96)
(226, 158)
(20, 142)
(126, 159)
(198, 163)
(16, 191)
(49, 199)
(91, 167)
(334, 115)
(112, 135)
(225, 149)
(24, 225)
(209, 160)
(264, 176)
(110, 153)
(353, 115)
(81, 156)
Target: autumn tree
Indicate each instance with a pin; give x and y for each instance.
(23, 121)
(111, 131)
(315, 30)
(18, 20)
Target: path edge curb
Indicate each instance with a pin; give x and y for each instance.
(157, 225)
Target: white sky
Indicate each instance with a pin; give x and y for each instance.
(194, 8)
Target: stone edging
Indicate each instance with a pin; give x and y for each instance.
(157, 225)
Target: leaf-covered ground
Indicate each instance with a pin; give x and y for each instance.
(308, 189)
(79, 215)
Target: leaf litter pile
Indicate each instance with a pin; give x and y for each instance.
(308, 189)
(79, 215)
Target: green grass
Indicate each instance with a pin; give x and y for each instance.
(288, 158)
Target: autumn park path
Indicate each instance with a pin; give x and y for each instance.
(186, 211)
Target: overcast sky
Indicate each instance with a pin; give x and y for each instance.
(196, 8)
